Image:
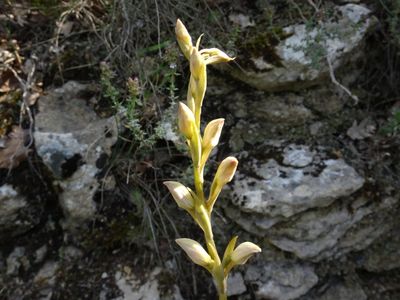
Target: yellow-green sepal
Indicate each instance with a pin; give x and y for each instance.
(227, 254)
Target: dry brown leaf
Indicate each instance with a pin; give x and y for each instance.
(14, 151)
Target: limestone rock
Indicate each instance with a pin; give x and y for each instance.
(297, 156)
(266, 116)
(383, 255)
(303, 60)
(46, 279)
(343, 291)
(15, 260)
(304, 202)
(283, 191)
(71, 139)
(16, 213)
(282, 280)
(335, 230)
(47, 274)
(133, 288)
(236, 284)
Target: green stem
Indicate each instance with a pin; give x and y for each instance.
(221, 283)
(222, 296)
(218, 270)
(198, 183)
(202, 215)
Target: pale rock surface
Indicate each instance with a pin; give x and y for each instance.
(343, 291)
(297, 156)
(236, 284)
(13, 207)
(134, 288)
(283, 191)
(15, 260)
(308, 204)
(265, 116)
(341, 40)
(71, 138)
(334, 231)
(281, 280)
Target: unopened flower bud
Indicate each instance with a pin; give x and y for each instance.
(214, 56)
(197, 65)
(195, 252)
(212, 133)
(181, 194)
(226, 170)
(183, 38)
(186, 120)
(224, 174)
(211, 136)
(243, 252)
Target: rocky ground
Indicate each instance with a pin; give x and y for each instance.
(311, 107)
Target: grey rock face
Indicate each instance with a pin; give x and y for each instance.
(307, 205)
(343, 291)
(16, 214)
(265, 115)
(383, 255)
(236, 284)
(297, 156)
(70, 138)
(47, 274)
(303, 59)
(46, 278)
(282, 280)
(329, 232)
(15, 260)
(133, 289)
(280, 191)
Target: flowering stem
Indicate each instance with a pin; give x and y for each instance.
(194, 202)
(205, 220)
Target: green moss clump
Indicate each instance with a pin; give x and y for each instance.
(258, 43)
(263, 44)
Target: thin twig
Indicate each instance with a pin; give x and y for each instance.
(299, 10)
(26, 87)
(337, 83)
(311, 2)
(158, 29)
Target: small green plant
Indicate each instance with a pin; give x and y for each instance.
(200, 147)
(129, 108)
(393, 125)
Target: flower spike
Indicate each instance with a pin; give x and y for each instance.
(200, 147)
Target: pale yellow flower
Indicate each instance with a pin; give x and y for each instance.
(195, 252)
(186, 120)
(184, 39)
(181, 194)
(243, 252)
